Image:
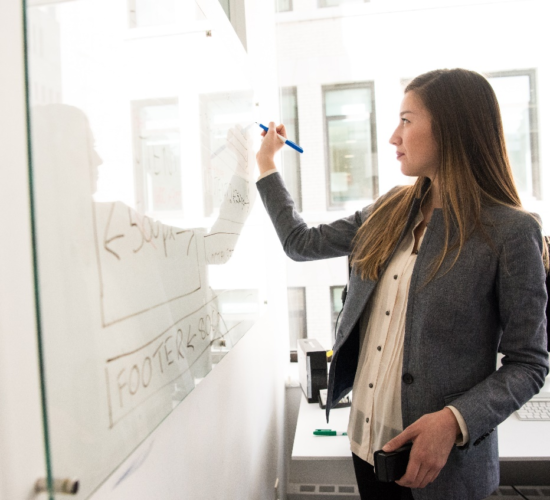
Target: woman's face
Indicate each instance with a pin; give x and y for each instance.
(414, 140)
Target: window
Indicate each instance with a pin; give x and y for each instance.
(296, 315)
(335, 306)
(291, 158)
(283, 5)
(517, 97)
(350, 128)
(336, 3)
(218, 114)
(157, 155)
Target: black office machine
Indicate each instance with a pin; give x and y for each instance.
(312, 367)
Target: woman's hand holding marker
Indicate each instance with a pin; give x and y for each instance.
(270, 145)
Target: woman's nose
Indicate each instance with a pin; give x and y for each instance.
(395, 139)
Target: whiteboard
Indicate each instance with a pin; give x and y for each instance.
(142, 124)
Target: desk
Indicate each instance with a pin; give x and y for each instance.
(524, 450)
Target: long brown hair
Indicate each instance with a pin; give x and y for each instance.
(474, 170)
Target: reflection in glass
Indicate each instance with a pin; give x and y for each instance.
(218, 113)
(350, 128)
(157, 160)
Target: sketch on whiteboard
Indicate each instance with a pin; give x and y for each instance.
(144, 268)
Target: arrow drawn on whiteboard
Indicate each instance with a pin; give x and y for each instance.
(189, 245)
(190, 339)
(106, 240)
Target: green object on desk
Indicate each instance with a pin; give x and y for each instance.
(328, 432)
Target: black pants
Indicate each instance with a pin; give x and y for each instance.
(372, 489)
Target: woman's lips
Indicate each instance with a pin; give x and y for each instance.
(399, 155)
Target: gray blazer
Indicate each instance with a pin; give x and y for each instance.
(489, 301)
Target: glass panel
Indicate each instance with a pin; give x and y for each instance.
(514, 96)
(296, 315)
(353, 174)
(291, 158)
(141, 290)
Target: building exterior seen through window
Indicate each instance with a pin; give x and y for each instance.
(350, 66)
(517, 97)
(291, 157)
(296, 315)
(283, 5)
(350, 128)
(335, 306)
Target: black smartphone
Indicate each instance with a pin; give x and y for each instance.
(391, 466)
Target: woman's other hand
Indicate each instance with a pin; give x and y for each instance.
(270, 145)
(433, 436)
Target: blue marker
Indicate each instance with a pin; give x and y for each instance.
(285, 140)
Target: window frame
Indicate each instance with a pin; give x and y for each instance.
(141, 193)
(293, 351)
(298, 195)
(376, 184)
(321, 2)
(536, 176)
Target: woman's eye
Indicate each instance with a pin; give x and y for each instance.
(405, 120)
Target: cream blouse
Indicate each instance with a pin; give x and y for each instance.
(375, 416)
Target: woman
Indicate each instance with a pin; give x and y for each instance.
(445, 273)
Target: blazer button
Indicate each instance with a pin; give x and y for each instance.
(408, 378)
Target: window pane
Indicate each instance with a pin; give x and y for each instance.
(283, 5)
(513, 94)
(336, 305)
(157, 162)
(352, 102)
(297, 315)
(351, 153)
(291, 158)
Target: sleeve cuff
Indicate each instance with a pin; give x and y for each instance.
(460, 440)
(266, 173)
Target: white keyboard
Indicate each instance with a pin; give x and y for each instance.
(535, 410)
